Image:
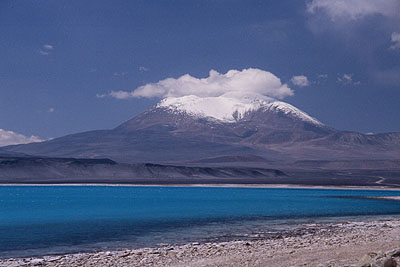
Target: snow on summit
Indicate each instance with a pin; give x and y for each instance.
(228, 107)
(226, 97)
(231, 107)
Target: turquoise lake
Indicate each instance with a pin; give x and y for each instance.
(38, 220)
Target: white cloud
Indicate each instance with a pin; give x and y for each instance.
(216, 84)
(355, 9)
(12, 138)
(300, 81)
(51, 110)
(120, 74)
(46, 49)
(116, 94)
(121, 94)
(347, 79)
(395, 41)
(321, 78)
(44, 53)
(143, 69)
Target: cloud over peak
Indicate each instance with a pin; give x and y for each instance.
(12, 138)
(216, 84)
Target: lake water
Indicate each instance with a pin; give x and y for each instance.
(38, 220)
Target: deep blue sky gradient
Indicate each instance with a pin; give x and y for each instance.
(101, 46)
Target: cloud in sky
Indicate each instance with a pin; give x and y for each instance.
(101, 95)
(300, 81)
(373, 23)
(143, 69)
(216, 84)
(12, 138)
(120, 74)
(46, 49)
(355, 9)
(395, 41)
(347, 79)
(321, 78)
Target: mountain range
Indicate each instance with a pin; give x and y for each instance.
(234, 126)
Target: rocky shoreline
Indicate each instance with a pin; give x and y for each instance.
(352, 243)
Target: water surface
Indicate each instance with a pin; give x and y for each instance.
(38, 220)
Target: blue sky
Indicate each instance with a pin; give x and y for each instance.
(57, 57)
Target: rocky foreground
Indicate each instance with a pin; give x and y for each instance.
(366, 244)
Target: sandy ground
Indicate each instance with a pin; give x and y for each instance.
(325, 244)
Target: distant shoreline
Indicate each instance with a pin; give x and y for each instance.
(277, 186)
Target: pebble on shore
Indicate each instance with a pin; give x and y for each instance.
(327, 244)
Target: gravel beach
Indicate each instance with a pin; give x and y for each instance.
(351, 243)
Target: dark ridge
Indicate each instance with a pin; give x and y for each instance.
(238, 158)
(71, 170)
(34, 160)
(348, 164)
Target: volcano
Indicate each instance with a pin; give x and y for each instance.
(239, 125)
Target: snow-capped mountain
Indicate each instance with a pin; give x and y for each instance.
(231, 107)
(191, 128)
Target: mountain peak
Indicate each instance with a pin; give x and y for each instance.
(226, 127)
(231, 107)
